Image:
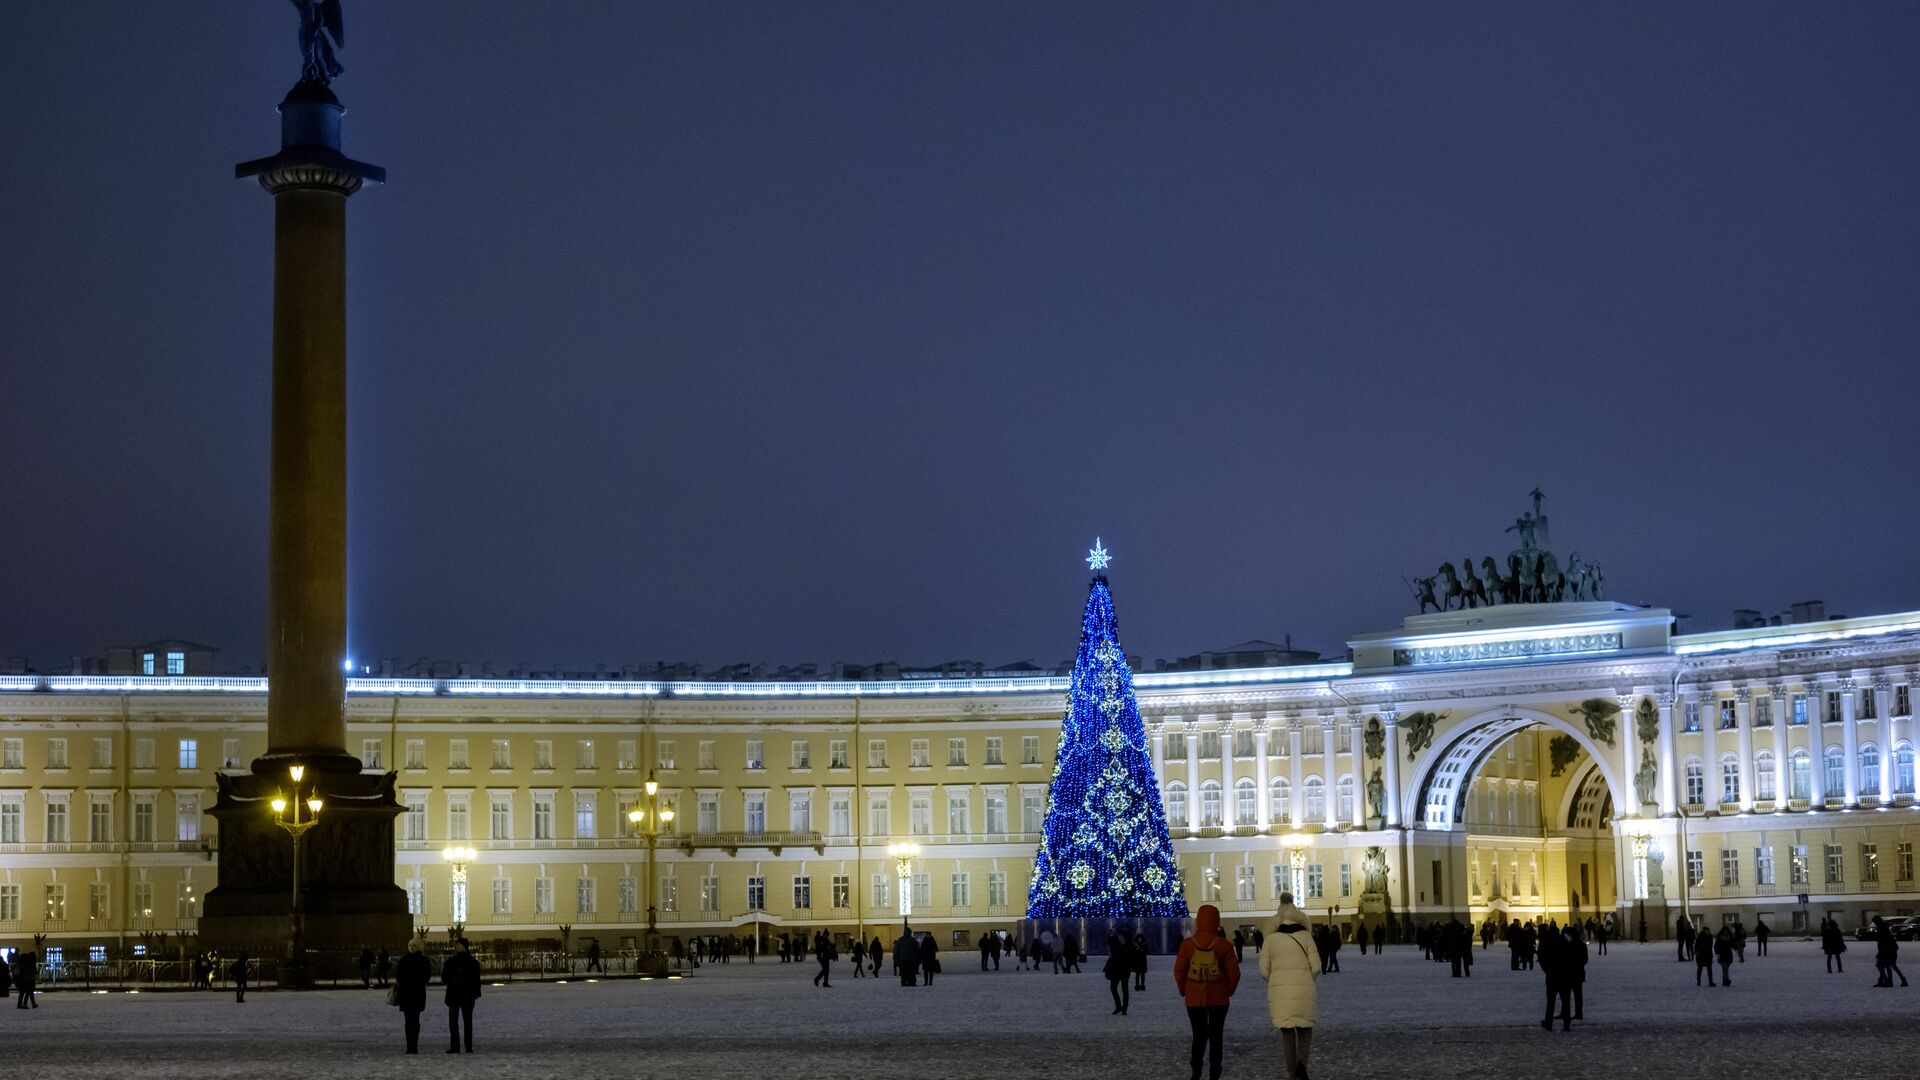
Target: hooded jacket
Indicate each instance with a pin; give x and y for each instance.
(1206, 935)
(1291, 963)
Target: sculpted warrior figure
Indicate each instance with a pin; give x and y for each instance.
(319, 21)
(1374, 866)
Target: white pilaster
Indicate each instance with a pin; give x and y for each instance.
(1817, 744)
(1328, 777)
(1782, 764)
(1850, 739)
(1193, 778)
(1262, 796)
(1883, 708)
(1297, 802)
(1743, 716)
(1709, 704)
(1391, 719)
(1357, 759)
(1630, 745)
(1227, 808)
(1669, 767)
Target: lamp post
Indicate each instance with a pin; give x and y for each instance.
(458, 857)
(1641, 844)
(1296, 843)
(650, 821)
(903, 854)
(286, 814)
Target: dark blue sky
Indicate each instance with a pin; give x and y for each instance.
(807, 331)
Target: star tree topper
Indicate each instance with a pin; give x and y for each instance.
(1097, 557)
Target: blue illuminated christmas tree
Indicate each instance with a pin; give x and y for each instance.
(1105, 852)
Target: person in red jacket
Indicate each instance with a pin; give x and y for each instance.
(1207, 973)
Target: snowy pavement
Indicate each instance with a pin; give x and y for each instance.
(1395, 1015)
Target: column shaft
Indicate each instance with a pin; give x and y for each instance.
(1850, 741)
(1263, 796)
(1669, 772)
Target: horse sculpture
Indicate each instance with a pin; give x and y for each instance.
(1448, 592)
(1533, 576)
(1496, 585)
(1474, 589)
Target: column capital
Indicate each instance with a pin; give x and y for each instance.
(1155, 724)
(1742, 694)
(1389, 715)
(1326, 720)
(1259, 725)
(1778, 691)
(1848, 683)
(1628, 701)
(1883, 682)
(1666, 699)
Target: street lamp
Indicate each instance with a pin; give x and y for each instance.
(286, 814)
(650, 822)
(458, 857)
(1641, 844)
(903, 853)
(1297, 843)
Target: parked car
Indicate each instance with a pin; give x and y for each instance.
(1905, 928)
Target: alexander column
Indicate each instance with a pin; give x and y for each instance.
(343, 896)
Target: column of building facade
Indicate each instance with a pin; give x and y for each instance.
(1227, 819)
(1262, 797)
(1883, 708)
(1329, 801)
(1743, 717)
(1669, 771)
(1157, 749)
(1850, 740)
(1192, 730)
(1630, 742)
(1390, 719)
(1707, 702)
(1297, 801)
(1356, 743)
(1816, 745)
(1782, 764)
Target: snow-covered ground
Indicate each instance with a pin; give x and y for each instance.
(1395, 1015)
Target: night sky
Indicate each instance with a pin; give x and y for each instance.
(791, 332)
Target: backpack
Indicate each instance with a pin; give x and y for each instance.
(1204, 966)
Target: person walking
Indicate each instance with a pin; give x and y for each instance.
(1575, 968)
(6, 979)
(383, 967)
(1551, 955)
(593, 958)
(461, 976)
(859, 957)
(823, 953)
(874, 952)
(1379, 938)
(1240, 946)
(410, 989)
(1683, 936)
(238, 973)
(1886, 954)
(1291, 968)
(1020, 956)
(1833, 943)
(1139, 958)
(1206, 973)
(1723, 952)
(26, 976)
(929, 960)
(1072, 950)
(1760, 932)
(366, 968)
(1703, 956)
(906, 959)
(986, 947)
(1740, 939)
(1119, 972)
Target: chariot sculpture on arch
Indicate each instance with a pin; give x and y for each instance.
(1532, 573)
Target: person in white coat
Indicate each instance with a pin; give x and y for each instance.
(1291, 964)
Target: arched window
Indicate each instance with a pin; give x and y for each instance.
(1836, 781)
(1870, 770)
(1903, 769)
(1763, 776)
(1346, 798)
(1246, 802)
(1696, 782)
(1729, 779)
(1209, 803)
(1177, 805)
(1280, 797)
(1800, 775)
(1316, 799)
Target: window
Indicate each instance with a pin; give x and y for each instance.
(1763, 866)
(1346, 879)
(837, 754)
(1210, 884)
(1278, 795)
(503, 756)
(802, 755)
(1316, 883)
(1903, 769)
(1696, 782)
(57, 754)
(1176, 805)
(1902, 701)
(1033, 811)
(996, 813)
(176, 663)
(1346, 798)
(229, 752)
(1903, 860)
(189, 754)
(1763, 776)
(413, 821)
(1836, 865)
(1729, 867)
(1243, 883)
(921, 751)
(100, 820)
(922, 891)
(500, 816)
(709, 894)
(146, 664)
(586, 815)
(996, 754)
(143, 819)
(1246, 801)
(1763, 712)
(705, 752)
(1729, 779)
(1243, 743)
(1691, 717)
(756, 760)
(416, 753)
(369, 755)
(842, 892)
(996, 888)
(97, 904)
(1729, 718)
(459, 816)
(1316, 801)
(1696, 868)
(1210, 746)
(56, 821)
(756, 893)
(457, 754)
(876, 753)
(9, 903)
(800, 811)
(583, 755)
(628, 892)
(1836, 771)
(802, 892)
(1797, 869)
(142, 900)
(956, 752)
(1833, 707)
(839, 814)
(756, 805)
(920, 814)
(182, 900)
(1800, 775)
(1870, 770)
(961, 892)
(416, 897)
(959, 813)
(1209, 804)
(543, 896)
(1799, 710)
(1029, 749)
(707, 813)
(1176, 746)
(879, 814)
(102, 753)
(1870, 864)
(10, 818)
(142, 754)
(882, 891)
(186, 812)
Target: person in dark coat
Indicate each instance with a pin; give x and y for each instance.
(875, 951)
(823, 952)
(1139, 957)
(929, 960)
(1761, 931)
(593, 957)
(6, 979)
(26, 975)
(906, 958)
(410, 989)
(1833, 943)
(1240, 946)
(461, 976)
(1379, 938)
(1703, 956)
(1119, 972)
(1886, 955)
(1723, 952)
(383, 967)
(1683, 937)
(859, 958)
(366, 968)
(1071, 949)
(1551, 955)
(1574, 966)
(239, 974)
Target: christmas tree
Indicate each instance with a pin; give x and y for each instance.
(1105, 852)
